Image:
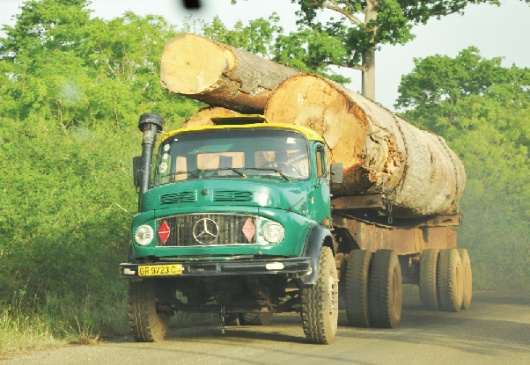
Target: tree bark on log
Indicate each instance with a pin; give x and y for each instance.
(381, 152)
(219, 75)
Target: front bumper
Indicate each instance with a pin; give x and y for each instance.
(296, 267)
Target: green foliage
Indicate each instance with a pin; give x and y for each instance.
(257, 37)
(361, 27)
(347, 37)
(265, 37)
(393, 20)
(482, 109)
(72, 89)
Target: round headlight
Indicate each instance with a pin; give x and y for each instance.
(144, 235)
(273, 232)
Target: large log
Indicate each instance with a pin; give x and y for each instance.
(381, 152)
(204, 116)
(219, 75)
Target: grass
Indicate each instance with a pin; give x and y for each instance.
(58, 322)
(22, 332)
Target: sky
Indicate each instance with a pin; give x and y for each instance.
(496, 31)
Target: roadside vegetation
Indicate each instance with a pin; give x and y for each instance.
(72, 88)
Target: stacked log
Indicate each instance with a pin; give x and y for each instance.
(381, 152)
(204, 116)
(219, 75)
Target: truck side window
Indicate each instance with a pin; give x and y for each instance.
(321, 163)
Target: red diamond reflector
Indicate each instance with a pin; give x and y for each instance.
(249, 230)
(163, 232)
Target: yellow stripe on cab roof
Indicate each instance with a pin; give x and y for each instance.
(262, 124)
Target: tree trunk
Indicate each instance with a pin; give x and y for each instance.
(219, 75)
(381, 152)
(368, 79)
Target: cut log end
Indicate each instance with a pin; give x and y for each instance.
(192, 64)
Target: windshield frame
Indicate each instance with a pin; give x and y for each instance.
(236, 151)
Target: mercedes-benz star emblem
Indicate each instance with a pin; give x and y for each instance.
(205, 231)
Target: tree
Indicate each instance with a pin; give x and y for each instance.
(74, 70)
(72, 88)
(482, 109)
(351, 40)
(257, 37)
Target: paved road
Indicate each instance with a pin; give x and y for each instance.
(495, 330)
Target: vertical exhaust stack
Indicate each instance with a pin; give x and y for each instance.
(150, 124)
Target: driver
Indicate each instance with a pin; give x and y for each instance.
(283, 161)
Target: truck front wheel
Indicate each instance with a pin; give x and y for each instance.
(320, 306)
(148, 310)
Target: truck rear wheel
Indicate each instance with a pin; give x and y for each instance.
(385, 289)
(320, 302)
(428, 292)
(148, 311)
(468, 279)
(263, 318)
(450, 280)
(357, 275)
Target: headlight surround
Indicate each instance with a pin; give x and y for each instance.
(144, 235)
(273, 232)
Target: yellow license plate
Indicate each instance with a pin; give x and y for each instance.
(160, 270)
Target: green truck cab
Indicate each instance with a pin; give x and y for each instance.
(234, 218)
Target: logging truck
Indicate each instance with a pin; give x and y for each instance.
(248, 217)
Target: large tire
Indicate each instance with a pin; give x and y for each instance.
(385, 290)
(320, 302)
(146, 322)
(357, 275)
(468, 279)
(450, 280)
(428, 286)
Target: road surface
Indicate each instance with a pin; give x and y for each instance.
(495, 330)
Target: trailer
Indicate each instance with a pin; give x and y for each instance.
(378, 253)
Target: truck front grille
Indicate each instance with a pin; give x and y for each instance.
(209, 229)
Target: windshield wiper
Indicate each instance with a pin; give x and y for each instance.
(230, 169)
(196, 174)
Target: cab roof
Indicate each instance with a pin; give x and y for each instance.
(246, 121)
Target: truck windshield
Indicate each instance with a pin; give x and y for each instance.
(233, 153)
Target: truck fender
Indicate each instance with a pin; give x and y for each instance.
(317, 238)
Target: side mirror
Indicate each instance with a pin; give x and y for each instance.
(337, 172)
(137, 166)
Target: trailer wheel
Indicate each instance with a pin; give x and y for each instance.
(428, 292)
(148, 311)
(357, 275)
(450, 280)
(385, 289)
(468, 279)
(320, 302)
(260, 319)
